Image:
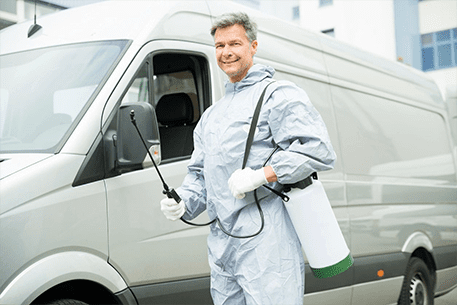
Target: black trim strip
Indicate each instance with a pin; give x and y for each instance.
(195, 291)
(93, 167)
(445, 257)
(393, 265)
(365, 269)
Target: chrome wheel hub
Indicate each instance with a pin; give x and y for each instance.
(418, 292)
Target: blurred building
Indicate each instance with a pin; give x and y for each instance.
(419, 33)
(284, 9)
(15, 11)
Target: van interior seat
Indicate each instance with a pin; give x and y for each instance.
(175, 114)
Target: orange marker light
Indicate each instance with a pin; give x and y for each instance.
(380, 273)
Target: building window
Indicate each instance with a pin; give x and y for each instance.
(325, 2)
(439, 50)
(8, 6)
(296, 13)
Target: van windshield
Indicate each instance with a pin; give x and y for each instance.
(44, 92)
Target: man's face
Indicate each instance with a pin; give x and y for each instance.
(234, 52)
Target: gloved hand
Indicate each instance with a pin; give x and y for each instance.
(171, 209)
(246, 180)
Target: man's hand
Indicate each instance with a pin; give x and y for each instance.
(246, 180)
(171, 209)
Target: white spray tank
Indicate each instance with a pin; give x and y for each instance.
(317, 228)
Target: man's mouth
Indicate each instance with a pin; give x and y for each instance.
(230, 62)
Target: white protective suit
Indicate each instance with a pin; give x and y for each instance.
(268, 268)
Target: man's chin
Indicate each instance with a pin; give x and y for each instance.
(232, 73)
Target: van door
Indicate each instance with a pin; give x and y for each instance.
(145, 247)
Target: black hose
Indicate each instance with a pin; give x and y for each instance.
(172, 194)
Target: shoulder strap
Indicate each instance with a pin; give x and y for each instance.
(255, 118)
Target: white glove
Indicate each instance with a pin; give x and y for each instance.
(246, 180)
(171, 209)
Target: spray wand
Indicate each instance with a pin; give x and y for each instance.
(171, 193)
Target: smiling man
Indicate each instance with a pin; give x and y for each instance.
(267, 268)
(234, 51)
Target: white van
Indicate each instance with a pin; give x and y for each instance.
(80, 218)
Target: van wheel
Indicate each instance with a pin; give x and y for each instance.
(417, 286)
(67, 302)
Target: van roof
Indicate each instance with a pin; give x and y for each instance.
(139, 21)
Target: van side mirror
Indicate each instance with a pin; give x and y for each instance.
(131, 153)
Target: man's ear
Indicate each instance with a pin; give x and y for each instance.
(254, 45)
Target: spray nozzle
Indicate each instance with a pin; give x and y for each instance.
(132, 116)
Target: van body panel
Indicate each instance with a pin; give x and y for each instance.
(446, 279)
(145, 251)
(50, 216)
(446, 262)
(55, 269)
(12, 187)
(387, 228)
(417, 240)
(340, 296)
(11, 163)
(379, 292)
(345, 62)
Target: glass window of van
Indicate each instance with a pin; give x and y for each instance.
(44, 92)
(177, 86)
(180, 95)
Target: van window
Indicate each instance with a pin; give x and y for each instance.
(44, 92)
(381, 137)
(175, 83)
(180, 95)
(139, 89)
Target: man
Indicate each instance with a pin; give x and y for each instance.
(267, 268)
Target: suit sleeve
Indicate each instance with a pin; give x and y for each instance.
(301, 134)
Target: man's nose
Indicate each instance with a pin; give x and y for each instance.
(227, 51)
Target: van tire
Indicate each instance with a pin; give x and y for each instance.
(417, 288)
(67, 302)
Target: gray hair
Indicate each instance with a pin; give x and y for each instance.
(230, 19)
